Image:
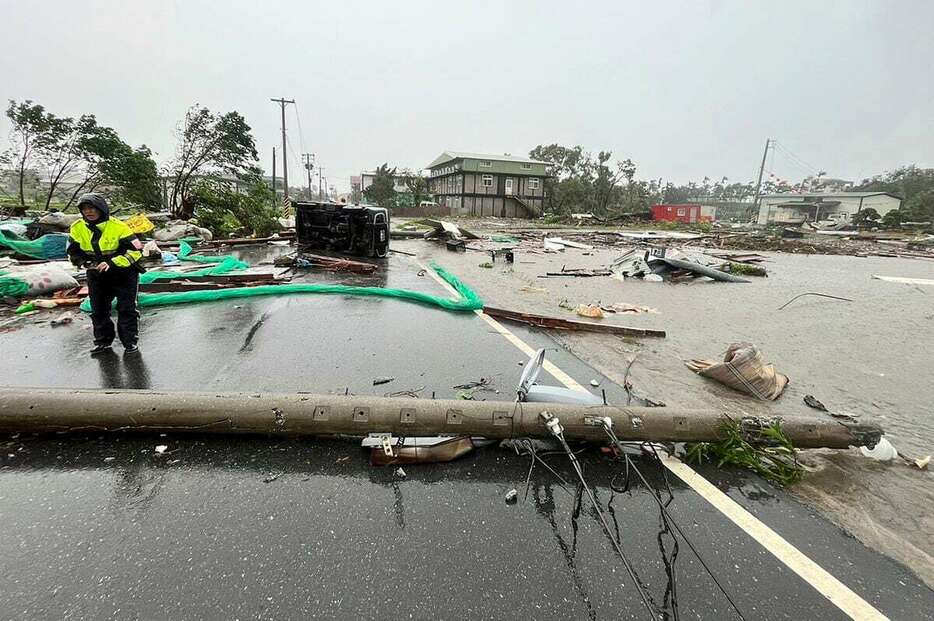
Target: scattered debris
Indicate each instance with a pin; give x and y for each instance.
(415, 450)
(594, 383)
(624, 308)
(556, 323)
(512, 497)
(414, 393)
(580, 273)
(823, 295)
(446, 230)
(160, 449)
(533, 289)
(64, 318)
(331, 264)
(589, 310)
(551, 246)
(174, 230)
(812, 402)
(400, 473)
(483, 383)
(486, 265)
(272, 477)
(745, 269)
(742, 369)
(382, 380)
(882, 451)
(655, 264)
(923, 462)
(557, 241)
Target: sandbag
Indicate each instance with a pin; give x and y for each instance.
(59, 221)
(178, 229)
(743, 369)
(44, 279)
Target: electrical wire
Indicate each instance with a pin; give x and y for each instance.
(794, 156)
(663, 506)
(555, 427)
(298, 121)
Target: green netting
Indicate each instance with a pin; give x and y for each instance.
(11, 286)
(184, 254)
(468, 300)
(51, 246)
(229, 264)
(224, 264)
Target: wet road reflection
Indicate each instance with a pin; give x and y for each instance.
(129, 372)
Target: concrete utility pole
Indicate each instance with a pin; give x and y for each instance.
(320, 192)
(55, 410)
(285, 161)
(309, 159)
(275, 194)
(768, 143)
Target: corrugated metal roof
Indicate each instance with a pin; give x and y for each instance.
(802, 195)
(447, 156)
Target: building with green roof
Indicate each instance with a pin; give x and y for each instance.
(478, 184)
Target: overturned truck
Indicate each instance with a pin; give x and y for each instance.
(361, 230)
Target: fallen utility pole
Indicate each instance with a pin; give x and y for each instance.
(556, 323)
(44, 410)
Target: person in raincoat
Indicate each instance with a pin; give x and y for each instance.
(111, 253)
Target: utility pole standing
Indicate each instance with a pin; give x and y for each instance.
(768, 143)
(285, 162)
(320, 192)
(275, 195)
(309, 159)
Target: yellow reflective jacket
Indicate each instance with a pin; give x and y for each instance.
(110, 241)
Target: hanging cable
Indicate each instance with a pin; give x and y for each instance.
(554, 426)
(794, 156)
(607, 424)
(298, 121)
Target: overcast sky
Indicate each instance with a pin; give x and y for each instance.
(685, 89)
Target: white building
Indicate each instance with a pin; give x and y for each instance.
(367, 178)
(840, 206)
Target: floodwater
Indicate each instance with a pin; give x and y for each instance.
(871, 357)
(103, 526)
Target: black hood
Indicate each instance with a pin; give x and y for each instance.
(98, 202)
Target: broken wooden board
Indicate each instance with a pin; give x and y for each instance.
(556, 323)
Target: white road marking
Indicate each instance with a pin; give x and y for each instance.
(835, 591)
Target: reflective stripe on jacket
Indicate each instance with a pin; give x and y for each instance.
(110, 241)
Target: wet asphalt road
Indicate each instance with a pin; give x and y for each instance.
(102, 527)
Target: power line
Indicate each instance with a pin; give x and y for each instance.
(792, 157)
(298, 120)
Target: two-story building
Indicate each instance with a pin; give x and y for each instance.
(488, 185)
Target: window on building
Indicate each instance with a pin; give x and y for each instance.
(488, 181)
(486, 164)
(533, 184)
(681, 211)
(526, 167)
